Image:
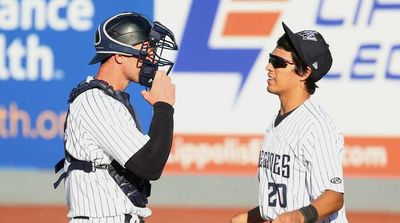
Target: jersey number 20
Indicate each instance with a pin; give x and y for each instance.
(277, 192)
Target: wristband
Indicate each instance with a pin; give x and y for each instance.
(310, 214)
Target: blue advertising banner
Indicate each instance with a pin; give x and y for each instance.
(45, 47)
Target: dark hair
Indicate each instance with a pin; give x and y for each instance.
(300, 67)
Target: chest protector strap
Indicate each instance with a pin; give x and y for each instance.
(135, 188)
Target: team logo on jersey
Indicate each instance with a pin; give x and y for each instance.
(336, 180)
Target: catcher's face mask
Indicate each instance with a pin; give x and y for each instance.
(150, 56)
(119, 35)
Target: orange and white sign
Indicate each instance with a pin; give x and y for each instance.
(372, 157)
(238, 155)
(214, 154)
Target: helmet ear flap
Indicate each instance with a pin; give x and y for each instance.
(96, 37)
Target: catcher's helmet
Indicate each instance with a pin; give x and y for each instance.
(118, 35)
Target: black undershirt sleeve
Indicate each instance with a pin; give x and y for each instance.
(150, 160)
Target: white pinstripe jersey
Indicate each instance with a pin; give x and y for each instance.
(300, 159)
(99, 129)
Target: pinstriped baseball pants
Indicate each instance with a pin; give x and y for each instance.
(113, 219)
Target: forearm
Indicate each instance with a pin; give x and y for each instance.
(251, 216)
(328, 203)
(254, 216)
(150, 160)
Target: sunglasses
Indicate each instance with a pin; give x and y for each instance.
(279, 62)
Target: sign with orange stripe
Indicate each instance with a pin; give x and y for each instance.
(238, 155)
(237, 23)
(372, 157)
(222, 105)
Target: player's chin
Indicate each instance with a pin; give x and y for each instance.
(271, 89)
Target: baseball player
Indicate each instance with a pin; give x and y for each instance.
(299, 170)
(108, 160)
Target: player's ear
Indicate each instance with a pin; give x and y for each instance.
(306, 73)
(118, 58)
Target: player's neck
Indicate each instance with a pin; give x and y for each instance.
(292, 100)
(113, 78)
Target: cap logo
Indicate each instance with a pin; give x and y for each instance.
(308, 35)
(315, 65)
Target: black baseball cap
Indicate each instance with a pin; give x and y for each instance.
(312, 49)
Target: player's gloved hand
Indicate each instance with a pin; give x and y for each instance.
(290, 217)
(162, 90)
(141, 212)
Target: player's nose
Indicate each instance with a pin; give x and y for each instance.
(269, 67)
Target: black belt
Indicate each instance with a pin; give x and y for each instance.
(127, 218)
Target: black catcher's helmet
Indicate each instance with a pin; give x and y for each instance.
(118, 35)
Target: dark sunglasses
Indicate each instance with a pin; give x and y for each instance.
(279, 62)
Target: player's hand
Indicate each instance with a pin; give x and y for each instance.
(244, 218)
(240, 218)
(141, 212)
(290, 217)
(162, 89)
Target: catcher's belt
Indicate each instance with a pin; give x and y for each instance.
(135, 188)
